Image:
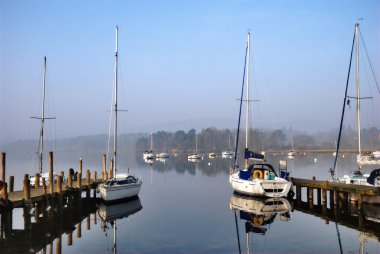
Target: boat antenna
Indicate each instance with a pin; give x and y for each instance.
(332, 170)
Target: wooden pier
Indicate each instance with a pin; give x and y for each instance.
(333, 194)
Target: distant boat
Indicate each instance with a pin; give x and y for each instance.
(194, 156)
(149, 155)
(363, 158)
(258, 178)
(376, 154)
(212, 155)
(162, 155)
(228, 153)
(122, 185)
(41, 137)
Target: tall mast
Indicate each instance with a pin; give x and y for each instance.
(41, 142)
(115, 106)
(357, 88)
(247, 98)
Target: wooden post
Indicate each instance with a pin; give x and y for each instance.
(3, 192)
(69, 239)
(37, 181)
(58, 245)
(51, 180)
(104, 167)
(44, 186)
(79, 180)
(88, 177)
(70, 180)
(336, 198)
(11, 183)
(298, 193)
(79, 230)
(3, 157)
(88, 220)
(311, 197)
(26, 187)
(331, 199)
(95, 176)
(324, 201)
(59, 190)
(319, 197)
(111, 169)
(80, 165)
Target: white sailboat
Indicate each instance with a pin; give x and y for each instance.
(362, 159)
(258, 178)
(41, 137)
(194, 156)
(228, 153)
(122, 185)
(149, 155)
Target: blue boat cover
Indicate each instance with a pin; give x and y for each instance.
(374, 174)
(249, 154)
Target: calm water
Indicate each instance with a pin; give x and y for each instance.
(190, 208)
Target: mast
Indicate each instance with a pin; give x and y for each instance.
(41, 141)
(115, 106)
(357, 88)
(247, 100)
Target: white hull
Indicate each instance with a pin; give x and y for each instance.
(116, 192)
(162, 156)
(194, 157)
(278, 187)
(260, 206)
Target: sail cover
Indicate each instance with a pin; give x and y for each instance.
(252, 155)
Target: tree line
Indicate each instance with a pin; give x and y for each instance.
(218, 140)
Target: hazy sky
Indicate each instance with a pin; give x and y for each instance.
(179, 61)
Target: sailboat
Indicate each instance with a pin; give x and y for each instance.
(118, 211)
(228, 153)
(362, 159)
(163, 155)
(149, 155)
(122, 185)
(258, 178)
(194, 156)
(41, 137)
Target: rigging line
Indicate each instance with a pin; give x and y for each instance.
(369, 60)
(241, 102)
(344, 107)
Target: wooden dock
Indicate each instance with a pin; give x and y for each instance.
(338, 192)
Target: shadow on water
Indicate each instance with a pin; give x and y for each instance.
(44, 223)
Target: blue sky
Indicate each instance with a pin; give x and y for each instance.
(179, 60)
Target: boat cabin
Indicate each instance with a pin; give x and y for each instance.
(259, 170)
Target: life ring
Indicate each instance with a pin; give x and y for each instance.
(258, 174)
(257, 222)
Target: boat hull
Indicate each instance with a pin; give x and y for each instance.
(117, 192)
(278, 187)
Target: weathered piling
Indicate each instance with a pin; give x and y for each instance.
(111, 169)
(4, 190)
(88, 177)
(51, 180)
(37, 181)
(80, 165)
(79, 180)
(11, 183)
(70, 180)
(26, 187)
(104, 173)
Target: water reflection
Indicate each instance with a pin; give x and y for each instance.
(181, 165)
(112, 213)
(258, 214)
